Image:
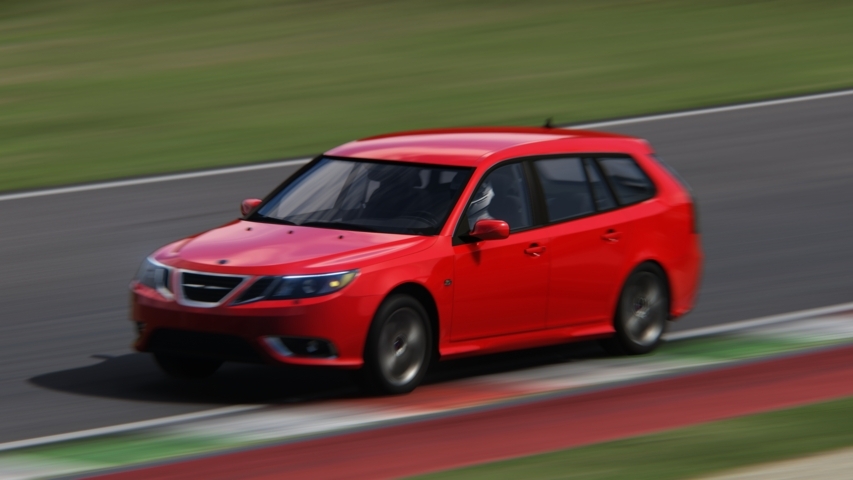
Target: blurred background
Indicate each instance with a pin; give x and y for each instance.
(96, 89)
(93, 90)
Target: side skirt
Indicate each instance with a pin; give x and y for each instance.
(519, 341)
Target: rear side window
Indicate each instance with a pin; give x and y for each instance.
(629, 183)
(565, 188)
(600, 191)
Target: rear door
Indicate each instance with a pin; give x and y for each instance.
(645, 229)
(588, 241)
(501, 286)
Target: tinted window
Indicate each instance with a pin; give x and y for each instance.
(502, 196)
(368, 196)
(600, 191)
(565, 188)
(629, 182)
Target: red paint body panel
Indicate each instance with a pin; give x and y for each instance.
(499, 289)
(464, 147)
(587, 270)
(545, 285)
(265, 249)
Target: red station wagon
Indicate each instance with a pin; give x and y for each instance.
(387, 253)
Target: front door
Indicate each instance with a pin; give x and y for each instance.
(501, 286)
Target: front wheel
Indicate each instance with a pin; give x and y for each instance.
(641, 313)
(399, 346)
(187, 367)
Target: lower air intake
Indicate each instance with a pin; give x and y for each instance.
(202, 345)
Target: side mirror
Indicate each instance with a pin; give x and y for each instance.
(490, 230)
(248, 205)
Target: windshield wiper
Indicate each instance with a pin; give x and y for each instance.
(339, 226)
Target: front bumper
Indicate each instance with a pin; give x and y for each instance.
(253, 331)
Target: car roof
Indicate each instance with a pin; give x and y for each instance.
(468, 147)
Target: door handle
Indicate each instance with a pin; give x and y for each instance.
(611, 236)
(534, 250)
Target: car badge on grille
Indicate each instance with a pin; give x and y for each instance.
(223, 261)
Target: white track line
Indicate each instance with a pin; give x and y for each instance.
(758, 322)
(706, 111)
(157, 179)
(158, 422)
(264, 166)
(126, 427)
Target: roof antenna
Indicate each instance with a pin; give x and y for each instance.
(548, 123)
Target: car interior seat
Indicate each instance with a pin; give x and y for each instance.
(507, 204)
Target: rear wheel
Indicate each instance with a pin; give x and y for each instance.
(641, 313)
(398, 348)
(187, 367)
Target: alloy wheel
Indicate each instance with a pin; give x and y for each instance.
(402, 347)
(644, 312)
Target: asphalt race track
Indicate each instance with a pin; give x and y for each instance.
(774, 186)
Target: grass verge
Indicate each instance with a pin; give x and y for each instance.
(687, 452)
(96, 89)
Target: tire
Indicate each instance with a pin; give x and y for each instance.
(398, 348)
(641, 313)
(187, 367)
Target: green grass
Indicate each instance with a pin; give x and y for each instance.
(735, 347)
(120, 450)
(687, 452)
(94, 89)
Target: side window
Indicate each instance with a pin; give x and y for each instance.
(629, 182)
(600, 191)
(565, 188)
(502, 196)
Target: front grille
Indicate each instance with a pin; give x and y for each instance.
(199, 287)
(202, 344)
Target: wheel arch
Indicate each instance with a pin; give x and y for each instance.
(666, 283)
(425, 297)
(620, 343)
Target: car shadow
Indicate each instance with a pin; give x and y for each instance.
(136, 377)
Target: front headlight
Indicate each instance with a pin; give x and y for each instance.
(296, 286)
(305, 286)
(155, 275)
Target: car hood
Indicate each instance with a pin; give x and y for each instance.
(262, 248)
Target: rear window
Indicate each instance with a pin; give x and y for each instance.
(629, 183)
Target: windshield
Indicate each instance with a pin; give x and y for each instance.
(368, 196)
